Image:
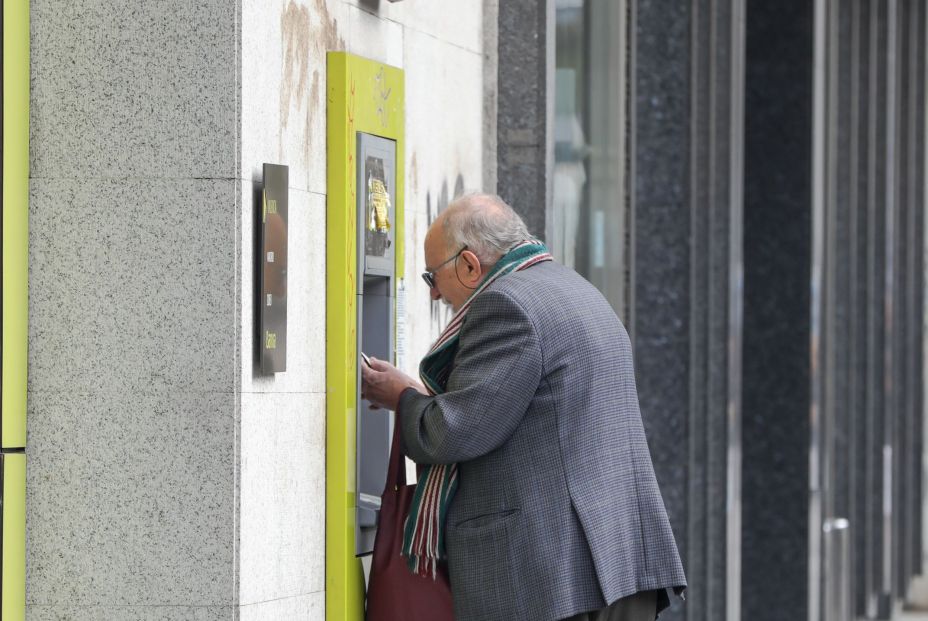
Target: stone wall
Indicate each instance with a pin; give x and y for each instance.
(167, 479)
(132, 409)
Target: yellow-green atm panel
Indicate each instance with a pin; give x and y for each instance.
(15, 156)
(364, 271)
(15, 219)
(13, 554)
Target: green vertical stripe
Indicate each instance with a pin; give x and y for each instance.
(13, 603)
(15, 220)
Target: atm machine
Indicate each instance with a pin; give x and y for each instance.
(364, 290)
(376, 319)
(15, 156)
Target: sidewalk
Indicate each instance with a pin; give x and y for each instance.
(918, 597)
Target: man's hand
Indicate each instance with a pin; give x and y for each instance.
(382, 384)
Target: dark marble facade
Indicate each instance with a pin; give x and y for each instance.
(817, 343)
(777, 268)
(522, 114)
(660, 318)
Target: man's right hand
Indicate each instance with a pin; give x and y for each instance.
(382, 384)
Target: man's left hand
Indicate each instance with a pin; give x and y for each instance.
(382, 384)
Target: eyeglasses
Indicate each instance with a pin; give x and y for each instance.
(429, 276)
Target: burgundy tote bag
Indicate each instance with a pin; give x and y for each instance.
(394, 592)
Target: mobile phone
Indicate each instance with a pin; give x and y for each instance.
(367, 360)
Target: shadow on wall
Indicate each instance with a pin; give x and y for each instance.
(441, 312)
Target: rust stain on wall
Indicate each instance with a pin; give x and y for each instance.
(314, 97)
(414, 174)
(294, 30)
(307, 34)
(331, 40)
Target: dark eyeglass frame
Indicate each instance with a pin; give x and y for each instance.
(429, 275)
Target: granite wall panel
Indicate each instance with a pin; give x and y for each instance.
(131, 426)
(777, 264)
(131, 613)
(130, 501)
(661, 328)
(133, 90)
(522, 124)
(131, 285)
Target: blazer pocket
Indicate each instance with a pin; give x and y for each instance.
(487, 520)
(480, 566)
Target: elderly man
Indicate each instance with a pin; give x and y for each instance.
(538, 481)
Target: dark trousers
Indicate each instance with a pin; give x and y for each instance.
(637, 607)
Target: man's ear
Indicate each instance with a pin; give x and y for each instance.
(471, 259)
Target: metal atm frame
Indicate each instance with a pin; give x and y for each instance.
(15, 309)
(365, 100)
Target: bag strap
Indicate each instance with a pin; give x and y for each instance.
(396, 471)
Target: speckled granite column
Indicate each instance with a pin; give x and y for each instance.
(662, 263)
(523, 133)
(132, 417)
(777, 247)
(660, 322)
(686, 322)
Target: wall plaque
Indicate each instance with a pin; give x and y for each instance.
(272, 272)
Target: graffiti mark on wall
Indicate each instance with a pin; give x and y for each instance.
(382, 94)
(441, 313)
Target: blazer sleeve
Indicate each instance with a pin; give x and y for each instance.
(495, 376)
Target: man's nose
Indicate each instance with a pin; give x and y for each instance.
(435, 293)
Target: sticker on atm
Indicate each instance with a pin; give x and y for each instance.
(378, 205)
(379, 201)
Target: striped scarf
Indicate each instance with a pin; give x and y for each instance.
(424, 532)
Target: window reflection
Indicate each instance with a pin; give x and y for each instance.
(589, 215)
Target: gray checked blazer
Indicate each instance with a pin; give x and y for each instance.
(557, 511)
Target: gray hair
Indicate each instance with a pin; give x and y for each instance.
(485, 224)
